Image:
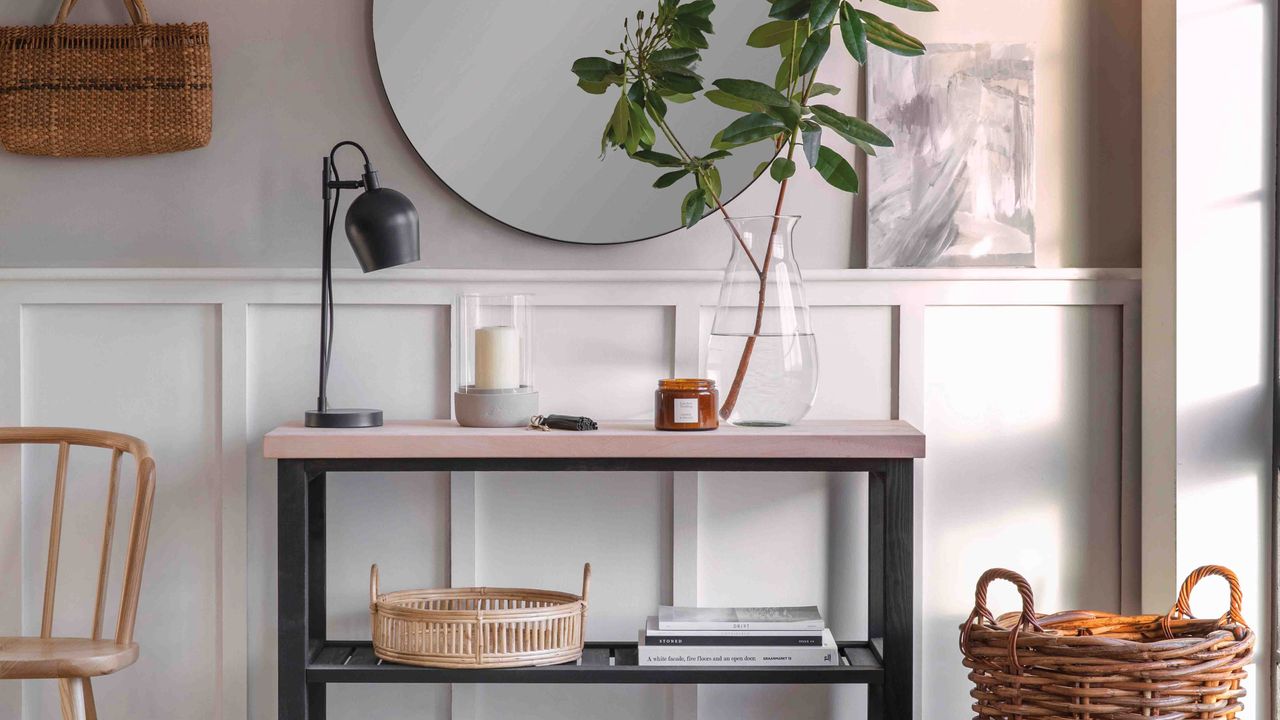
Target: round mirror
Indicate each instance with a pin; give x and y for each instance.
(484, 92)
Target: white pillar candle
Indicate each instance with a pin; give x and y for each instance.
(497, 358)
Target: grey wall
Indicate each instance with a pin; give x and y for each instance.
(293, 76)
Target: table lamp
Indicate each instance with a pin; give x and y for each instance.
(382, 226)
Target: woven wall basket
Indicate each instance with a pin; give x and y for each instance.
(105, 90)
(478, 627)
(1106, 667)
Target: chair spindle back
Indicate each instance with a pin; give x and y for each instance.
(139, 525)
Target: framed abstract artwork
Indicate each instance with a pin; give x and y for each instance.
(958, 187)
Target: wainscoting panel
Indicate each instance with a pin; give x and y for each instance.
(1024, 470)
(151, 371)
(602, 361)
(624, 702)
(1024, 380)
(763, 540)
(392, 357)
(536, 530)
(855, 360)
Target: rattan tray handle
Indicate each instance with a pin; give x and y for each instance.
(1182, 608)
(137, 12)
(1027, 618)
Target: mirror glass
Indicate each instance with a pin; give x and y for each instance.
(484, 92)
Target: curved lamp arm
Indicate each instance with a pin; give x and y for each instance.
(382, 225)
(332, 188)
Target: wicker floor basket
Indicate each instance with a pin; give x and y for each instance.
(1106, 667)
(478, 627)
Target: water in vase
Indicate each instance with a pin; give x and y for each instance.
(781, 380)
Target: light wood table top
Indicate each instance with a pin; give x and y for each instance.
(881, 439)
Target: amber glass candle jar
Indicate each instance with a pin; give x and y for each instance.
(686, 404)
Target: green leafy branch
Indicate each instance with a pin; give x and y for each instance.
(784, 114)
(652, 66)
(655, 64)
(802, 31)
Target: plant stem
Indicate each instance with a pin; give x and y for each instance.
(744, 362)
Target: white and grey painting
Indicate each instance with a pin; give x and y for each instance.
(958, 187)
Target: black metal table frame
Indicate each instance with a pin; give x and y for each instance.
(301, 579)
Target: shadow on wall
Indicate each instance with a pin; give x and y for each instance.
(1023, 414)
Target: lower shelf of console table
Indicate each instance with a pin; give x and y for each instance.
(602, 662)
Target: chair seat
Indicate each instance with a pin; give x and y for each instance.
(30, 658)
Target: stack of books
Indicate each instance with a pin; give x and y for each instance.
(748, 637)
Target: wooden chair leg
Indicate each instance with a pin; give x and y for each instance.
(72, 691)
(64, 695)
(90, 707)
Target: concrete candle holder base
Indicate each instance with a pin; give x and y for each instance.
(495, 408)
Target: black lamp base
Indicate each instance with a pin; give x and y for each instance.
(344, 418)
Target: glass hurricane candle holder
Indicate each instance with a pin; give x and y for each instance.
(494, 344)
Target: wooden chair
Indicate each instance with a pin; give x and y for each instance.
(74, 660)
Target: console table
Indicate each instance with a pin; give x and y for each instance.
(308, 660)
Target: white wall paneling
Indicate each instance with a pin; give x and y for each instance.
(1025, 381)
(1222, 306)
(1159, 363)
(151, 371)
(1038, 388)
(10, 490)
(233, 649)
(389, 355)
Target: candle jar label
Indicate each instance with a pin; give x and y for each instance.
(685, 410)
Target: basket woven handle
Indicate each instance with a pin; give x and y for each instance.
(980, 613)
(1182, 608)
(373, 584)
(586, 581)
(1028, 616)
(137, 11)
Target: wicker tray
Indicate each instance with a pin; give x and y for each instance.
(478, 627)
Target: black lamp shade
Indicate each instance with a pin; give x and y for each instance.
(382, 225)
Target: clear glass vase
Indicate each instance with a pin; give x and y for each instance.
(762, 353)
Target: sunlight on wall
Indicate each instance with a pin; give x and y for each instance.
(1022, 411)
(1030, 540)
(1224, 153)
(982, 356)
(1202, 507)
(1203, 541)
(1222, 169)
(1220, 345)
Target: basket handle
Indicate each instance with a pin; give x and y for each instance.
(373, 584)
(980, 612)
(1182, 608)
(137, 11)
(586, 581)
